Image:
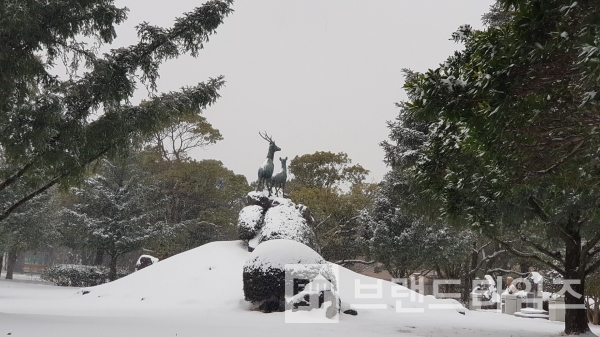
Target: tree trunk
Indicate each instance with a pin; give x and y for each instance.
(1, 260)
(470, 274)
(596, 312)
(11, 262)
(112, 274)
(575, 316)
(99, 258)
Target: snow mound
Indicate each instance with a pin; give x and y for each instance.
(209, 279)
(201, 290)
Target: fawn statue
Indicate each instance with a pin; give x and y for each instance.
(278, 179)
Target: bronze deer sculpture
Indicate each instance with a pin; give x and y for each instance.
(265, 171)
(278, 179)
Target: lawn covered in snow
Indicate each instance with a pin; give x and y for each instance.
(199, 293)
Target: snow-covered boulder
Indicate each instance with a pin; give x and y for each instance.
(145, 261)
(269, 218)
(264, 273)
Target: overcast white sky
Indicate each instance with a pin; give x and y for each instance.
(317, 75)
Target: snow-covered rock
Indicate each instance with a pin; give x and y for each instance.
(145, 261)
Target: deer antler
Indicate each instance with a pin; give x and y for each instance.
(265, 137)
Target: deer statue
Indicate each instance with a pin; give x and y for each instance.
(265, 171)
(278, 179)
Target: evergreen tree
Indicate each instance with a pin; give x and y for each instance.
(48, 133)
(31, 227)
(116, 211)
(511, 140)
(399, 237)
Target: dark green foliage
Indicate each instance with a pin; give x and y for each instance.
(250, 222)
(116, 211)
(264, 274)
(335, 192)
(265, 286)
(78, 275)
(202, 201)
(326, 170)
(49, 135)
(511, 138)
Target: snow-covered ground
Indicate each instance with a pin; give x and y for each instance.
(199, 293)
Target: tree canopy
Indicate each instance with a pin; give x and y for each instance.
(53, 127)
(116, 211)
(324, 169)
(335, 192)
(509, 135)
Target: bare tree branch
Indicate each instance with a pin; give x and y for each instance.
(592, 268)
(486, 259)
(506, 271)
(530, 256)
(555, 255)
(344, 262)
(563, 159)
(13, 178)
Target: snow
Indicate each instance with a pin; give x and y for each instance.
(250, 220)
(488, 289)
(284, 221)
(152, 258)
(536, 277)
(199, 292)
(274, 218)
(138, 264)
(277, 253)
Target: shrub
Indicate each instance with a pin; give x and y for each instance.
(69, 275)
(250, 221)
(264, 273)
(284, 220)
(145, 261)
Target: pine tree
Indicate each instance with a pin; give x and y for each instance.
(52, 128)
(116, 211)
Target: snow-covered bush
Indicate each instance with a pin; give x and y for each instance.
(145, 261)
(285, 221)
(264, 273)
(269, 218)
(250, 221)
(69, 275)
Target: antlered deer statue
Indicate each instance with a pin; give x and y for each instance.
(265, 171)
(278, 179)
